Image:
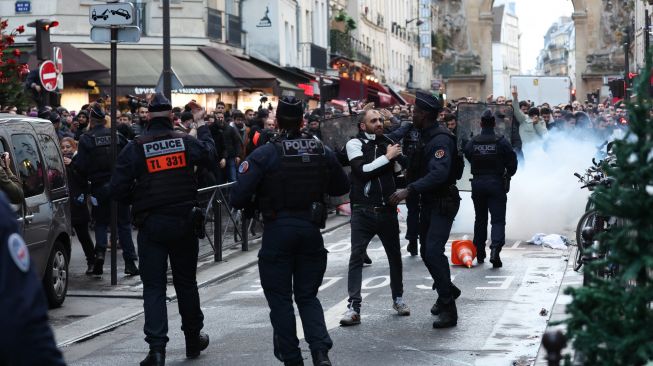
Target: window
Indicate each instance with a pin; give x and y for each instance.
(214, 28)
(141, 17)
(30, 167)
(234, 30)
(53, 163)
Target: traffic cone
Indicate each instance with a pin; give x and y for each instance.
(463, 252)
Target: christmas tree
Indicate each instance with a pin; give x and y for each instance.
(611, 319)
(12, 72)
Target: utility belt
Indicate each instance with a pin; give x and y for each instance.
(317, 214)
(445, 200)
(373, 208)
(195, 216)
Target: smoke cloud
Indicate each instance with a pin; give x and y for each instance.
(545, 196)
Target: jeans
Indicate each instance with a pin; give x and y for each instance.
(102, 214)
(489, 193)
(160, 238)
(292, 260)
(435, 229)
(230, 169)
(365, 223)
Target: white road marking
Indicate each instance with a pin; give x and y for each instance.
(504, 285)
(366, 285)
(259, 289)
(515, 246)
(328, 282)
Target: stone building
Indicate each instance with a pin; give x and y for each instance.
(506, 56)
(555, 57)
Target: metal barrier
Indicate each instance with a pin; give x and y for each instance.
(223, 222)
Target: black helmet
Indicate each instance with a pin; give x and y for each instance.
(159, 103)
(290, 108)
(487, 118)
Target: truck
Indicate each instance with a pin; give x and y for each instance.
(554, 90)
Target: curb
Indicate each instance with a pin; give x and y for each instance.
(136, 314)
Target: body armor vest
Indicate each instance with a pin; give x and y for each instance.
(100, 170)
(168, 178)
(486, 159)
(301, 179)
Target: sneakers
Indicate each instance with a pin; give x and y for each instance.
(90, 267)
(130, 268)
(400, 306)
(351, 317)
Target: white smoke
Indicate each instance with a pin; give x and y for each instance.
(545, 196)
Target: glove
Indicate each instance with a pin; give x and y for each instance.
(80, 199)
(93, 201)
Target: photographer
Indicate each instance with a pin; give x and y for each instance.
(9, 183)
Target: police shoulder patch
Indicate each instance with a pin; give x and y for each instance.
(18, 251)
(244, 167)
(439, 154)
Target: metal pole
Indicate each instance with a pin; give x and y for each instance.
(217, 229)
(647, 29)
(627, 64)
(322, 98)
(167, 71)
(114, 153)
(244, 233)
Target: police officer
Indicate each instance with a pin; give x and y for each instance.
(94, 163)
(437, 170)
(409, 148)
(493, 163)
(26, 338)
(155, 173)
(290, 177)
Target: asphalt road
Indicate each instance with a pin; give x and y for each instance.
(502, 315)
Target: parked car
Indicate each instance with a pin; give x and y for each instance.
(44, 215)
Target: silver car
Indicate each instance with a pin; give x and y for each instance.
(44, 216)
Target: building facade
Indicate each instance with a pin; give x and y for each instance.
(555, 57)
(506, 55)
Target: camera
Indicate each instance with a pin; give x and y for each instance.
(135, 102)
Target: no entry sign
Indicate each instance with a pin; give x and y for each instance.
(48, 75)
(58, 59)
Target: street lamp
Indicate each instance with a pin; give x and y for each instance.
(419, 21)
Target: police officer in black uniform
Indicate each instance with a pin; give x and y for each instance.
(155, 173)
(290, 177)
(409, 148)
(93, 162)
(25, 336)
(493, 163)
(437, 168)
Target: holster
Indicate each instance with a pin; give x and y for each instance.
(318, 214)
(197, 221)
(506, 183)
(449, 203)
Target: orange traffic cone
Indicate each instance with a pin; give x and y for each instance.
(463, 252)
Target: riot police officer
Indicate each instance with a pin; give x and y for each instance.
(26, 338)
(437, 168)
(94, 163)
(155, 174)
(493, 163)
(409, 148)
(290, 177)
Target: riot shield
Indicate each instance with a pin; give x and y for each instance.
(469, 125)
(337, 131)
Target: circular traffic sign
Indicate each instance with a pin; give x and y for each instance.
(48, 75)
(58, 59)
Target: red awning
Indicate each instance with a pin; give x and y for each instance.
(244, 73)
(385, 100)
(351, 89)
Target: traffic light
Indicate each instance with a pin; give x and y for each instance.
(42, 38)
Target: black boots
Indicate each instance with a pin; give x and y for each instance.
(294, 363)
(130, 268)
(480, 255)
(321, 358)
(367, 260)
(448, 314)
(455, 292)
(156, 357)
(495, 259)
(90, 267)
(99, 262)
(196, 344)
(412, 247)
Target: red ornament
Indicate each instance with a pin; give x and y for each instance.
(16, 52)
(20, 29)
(11, 61)
(9, 40)
(4, 24)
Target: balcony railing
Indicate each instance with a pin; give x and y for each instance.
(343, 44)
(313, 56)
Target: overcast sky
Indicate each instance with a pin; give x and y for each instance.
(535, 18)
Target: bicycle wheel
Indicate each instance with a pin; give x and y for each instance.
(586, 220)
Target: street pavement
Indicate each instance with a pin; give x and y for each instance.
(502, 314)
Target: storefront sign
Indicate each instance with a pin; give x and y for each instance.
(265, 22)
(23, 7)
(140, 91)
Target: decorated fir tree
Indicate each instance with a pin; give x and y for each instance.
(611, 319)
(12, 72)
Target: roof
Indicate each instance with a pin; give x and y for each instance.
(77, 66)
(244, 73)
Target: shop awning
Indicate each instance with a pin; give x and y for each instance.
(77, 66)
(243, 73)
(396, 94)
(142, 68)
(352, 89)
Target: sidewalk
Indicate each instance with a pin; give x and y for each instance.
(558, 312)
(93, 306)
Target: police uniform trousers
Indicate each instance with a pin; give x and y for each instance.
(412, 219)
(102, 215)
(164, 236)
(293, 259)
(366, 222)
(489, 193)
(435, 227)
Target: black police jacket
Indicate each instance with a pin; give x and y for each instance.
(93, 159)
(372, 174)
(490, 154)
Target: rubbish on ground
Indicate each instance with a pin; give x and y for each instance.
(553, 241)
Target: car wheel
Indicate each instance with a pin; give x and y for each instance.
(55, 281)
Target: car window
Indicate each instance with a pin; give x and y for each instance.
(53, 162)
(30, 167)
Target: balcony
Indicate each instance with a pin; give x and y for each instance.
(312, 56)
(344, 45)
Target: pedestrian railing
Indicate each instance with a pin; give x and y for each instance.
(225, 227)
